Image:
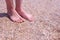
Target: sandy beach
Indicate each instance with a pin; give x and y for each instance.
(46, 24)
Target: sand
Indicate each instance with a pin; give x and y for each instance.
(46, 25)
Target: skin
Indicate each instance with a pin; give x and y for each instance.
(17, 14)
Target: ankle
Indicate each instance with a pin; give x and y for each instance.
(18, 9)
(10, 9)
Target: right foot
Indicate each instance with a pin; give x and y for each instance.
(14, 16)
(26, 16)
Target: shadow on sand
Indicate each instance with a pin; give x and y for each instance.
(3, 15)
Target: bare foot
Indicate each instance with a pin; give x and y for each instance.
(25, 15)
(14, 16)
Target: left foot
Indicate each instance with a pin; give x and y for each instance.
(14, 16)
(25, 15)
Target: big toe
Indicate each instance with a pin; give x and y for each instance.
(29, 17)
(20, 20)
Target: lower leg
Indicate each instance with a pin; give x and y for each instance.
(9, 4)
(18, 4)
(13, 15)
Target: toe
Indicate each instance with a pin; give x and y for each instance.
(21, 20)
(31, 19)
